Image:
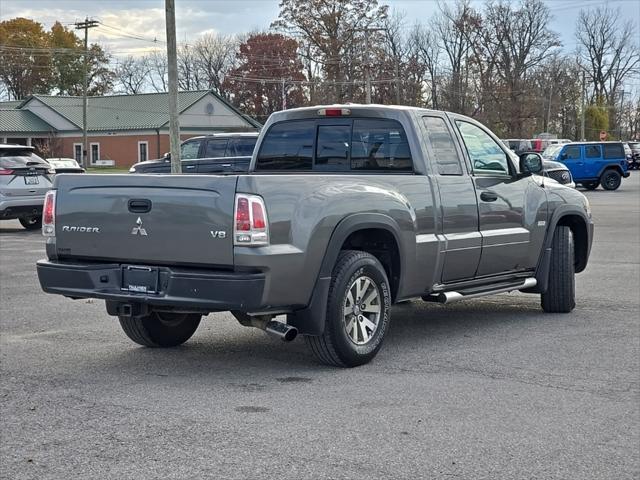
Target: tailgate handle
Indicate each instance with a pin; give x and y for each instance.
(139, 205)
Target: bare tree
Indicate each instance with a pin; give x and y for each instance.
(608, 52)
(189, 74)
(429, 51)
(215, 56)
(132, 74)
(518, 40)
(157, 61)
(453, 28)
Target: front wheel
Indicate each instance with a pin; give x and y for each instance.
(160, 329)
(560, 296)
(357, 312)
(31, 223)
(611, 180)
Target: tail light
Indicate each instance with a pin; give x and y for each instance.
(250, 221)
(334, 112)
(49, 214)
(4, 171)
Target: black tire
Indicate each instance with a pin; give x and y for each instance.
(560, 296)
(31, 223)
(611, 179)
(160, 329)
(591, 185)
(337, 347)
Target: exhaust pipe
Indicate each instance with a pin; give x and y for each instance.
(280, 330)
(276, 329)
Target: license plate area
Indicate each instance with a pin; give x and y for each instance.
(31, 180)
(137, 279)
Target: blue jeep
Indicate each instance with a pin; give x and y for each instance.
(592, 163)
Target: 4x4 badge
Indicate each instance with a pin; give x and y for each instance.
(138, 229)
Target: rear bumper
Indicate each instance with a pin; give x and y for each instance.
(179, 288)
(15, 207)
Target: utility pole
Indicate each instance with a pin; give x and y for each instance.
(284, 96)
(549, 109)
(172, 62)
(621, 113)
(86, 25)
(584, 86)
(368, 61)
(397, 82)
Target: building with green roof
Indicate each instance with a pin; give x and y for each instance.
(122, 129)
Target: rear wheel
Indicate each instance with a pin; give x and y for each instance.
(591, 185)
(560, 296)
(357, 312)
(161, 329)
(31, 223)
(611, 180)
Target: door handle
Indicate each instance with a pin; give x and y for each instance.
(488, 196)
(189, 167)
(226, 165)
(139, 205)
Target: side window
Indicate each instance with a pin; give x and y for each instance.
(189, 149)
(571, 153)
(444, 149)
(613, 150)
(332, 148)
(216, 148)
(287, 146)
(485, 154)
(241, 147)
(379, 145)
(592, 151)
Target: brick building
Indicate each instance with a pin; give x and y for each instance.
(122, 129)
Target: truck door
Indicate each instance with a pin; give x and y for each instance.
(573, 158)
(512, 209)
(458, 207)
(593, 161)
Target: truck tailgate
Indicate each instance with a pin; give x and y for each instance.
(146, 219)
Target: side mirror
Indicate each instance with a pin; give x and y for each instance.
(531, 163)
(563, 156)
(166, 156)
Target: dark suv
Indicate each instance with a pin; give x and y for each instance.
(217, 153)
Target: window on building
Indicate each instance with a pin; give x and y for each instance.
(77, 152)
(95, 152)
(444, 148)
(143, 151)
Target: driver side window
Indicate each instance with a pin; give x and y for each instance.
(189, 150)
(484, 152)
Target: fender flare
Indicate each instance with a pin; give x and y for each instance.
(311, 320)
(615, 166)
(544, 263)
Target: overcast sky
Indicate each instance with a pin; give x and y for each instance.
(132, 25)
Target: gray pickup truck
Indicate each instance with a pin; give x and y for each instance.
(345, 210)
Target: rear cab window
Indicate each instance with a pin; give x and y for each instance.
(592, 151)
(241, 146)
(215, 148)
(347, 144)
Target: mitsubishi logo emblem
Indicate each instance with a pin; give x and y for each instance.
(139, 229)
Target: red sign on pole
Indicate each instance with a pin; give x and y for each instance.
(603, 135)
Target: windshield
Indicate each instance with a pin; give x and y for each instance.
(551, 151)
(16, 158)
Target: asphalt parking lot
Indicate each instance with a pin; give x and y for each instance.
(491, 388)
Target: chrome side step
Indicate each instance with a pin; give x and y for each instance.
(452, 297)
